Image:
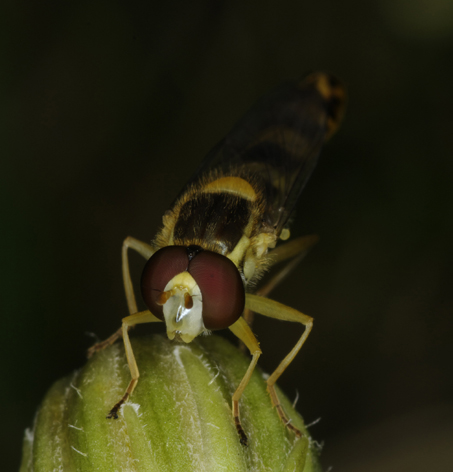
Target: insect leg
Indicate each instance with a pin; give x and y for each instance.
(242, 330)
(296, 249)
(132, 320)
(146, 251)
(276, 310)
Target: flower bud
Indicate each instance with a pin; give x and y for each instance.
(178, 418)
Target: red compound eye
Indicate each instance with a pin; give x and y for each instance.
(161, 267)
(221, 287)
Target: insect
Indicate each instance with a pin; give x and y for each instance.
(220, 234)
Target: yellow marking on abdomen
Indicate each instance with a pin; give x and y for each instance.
(235, 185)
(333, 92)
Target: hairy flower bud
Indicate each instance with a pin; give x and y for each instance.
(178, 419)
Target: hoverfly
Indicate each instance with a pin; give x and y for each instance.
(219, 236)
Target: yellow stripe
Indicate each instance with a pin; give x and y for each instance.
(234, 185)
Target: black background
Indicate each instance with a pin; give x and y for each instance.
(106, 109)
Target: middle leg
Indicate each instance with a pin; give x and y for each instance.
(276, 310)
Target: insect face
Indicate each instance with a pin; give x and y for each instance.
(192, 290)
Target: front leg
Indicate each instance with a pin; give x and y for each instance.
(146, 251)
(276, 310)
(242, 330)
(132, 320)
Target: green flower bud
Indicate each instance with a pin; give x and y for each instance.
(178, 419)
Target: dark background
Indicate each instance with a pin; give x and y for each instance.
(106, 109)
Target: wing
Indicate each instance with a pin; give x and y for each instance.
(278, 141)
